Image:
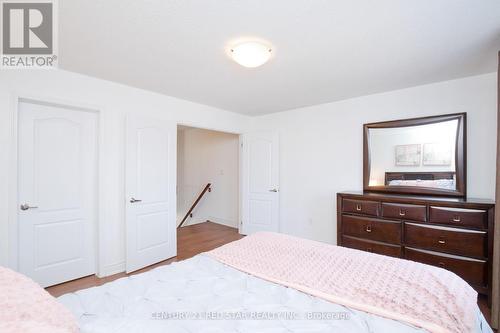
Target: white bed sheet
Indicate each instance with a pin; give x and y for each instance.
(161, 299)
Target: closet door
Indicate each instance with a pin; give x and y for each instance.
(150, 192)
(260, 182)
(57, 182)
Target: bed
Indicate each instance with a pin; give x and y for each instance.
(442, 180)
(241, 288)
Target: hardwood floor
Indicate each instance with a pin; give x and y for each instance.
(191, 240)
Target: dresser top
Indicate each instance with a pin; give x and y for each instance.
(417, 198)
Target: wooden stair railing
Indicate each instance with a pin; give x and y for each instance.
(190, 211)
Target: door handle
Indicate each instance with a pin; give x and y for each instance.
(134, 200)
(26, 207)
(274, 190)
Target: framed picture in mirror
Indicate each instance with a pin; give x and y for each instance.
(408, 155)
(437, 154)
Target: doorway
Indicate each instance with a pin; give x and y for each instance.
(207, 177)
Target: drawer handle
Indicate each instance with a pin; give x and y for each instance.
(441, 241)
(369, 249)
(402, 212)
(441, 264)
(368, 228)
(456, 219)
(358, 207)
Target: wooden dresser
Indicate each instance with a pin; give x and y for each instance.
(451, 233)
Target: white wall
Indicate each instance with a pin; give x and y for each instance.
(115, 101)
(208, 157)
(321, 146)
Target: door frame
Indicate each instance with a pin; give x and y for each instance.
(13, 219)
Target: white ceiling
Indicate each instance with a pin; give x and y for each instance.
(324, 50)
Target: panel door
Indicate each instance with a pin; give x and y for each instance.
(260, 182)
(150, 192)
(57, 192)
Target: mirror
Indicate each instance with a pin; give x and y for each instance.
(417, 156)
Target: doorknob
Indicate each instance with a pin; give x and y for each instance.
(26, 207)
(273, 190)
(133, 200)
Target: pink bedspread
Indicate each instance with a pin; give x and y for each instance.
(27, 308)
(418, 294)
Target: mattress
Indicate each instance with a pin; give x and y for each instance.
(203, 295)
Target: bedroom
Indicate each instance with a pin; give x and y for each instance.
(332, 67)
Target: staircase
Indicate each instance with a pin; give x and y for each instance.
(198, 199)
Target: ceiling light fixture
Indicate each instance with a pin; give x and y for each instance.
(251, 54)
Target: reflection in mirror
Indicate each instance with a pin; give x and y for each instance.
(416, 156)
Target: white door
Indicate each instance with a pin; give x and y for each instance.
(150, 192)
(260, 182)
(57, 188)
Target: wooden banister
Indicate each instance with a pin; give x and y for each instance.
(207, 188)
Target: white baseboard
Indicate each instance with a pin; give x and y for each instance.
(227, 223)
(194, 220)
(112, 269)
(197, 220)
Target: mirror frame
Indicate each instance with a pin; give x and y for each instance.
(460, 156)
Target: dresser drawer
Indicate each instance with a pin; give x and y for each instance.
(459, 217)
(449, 240)
(404, 212)
(370, 228)
(471, 270)
(370, 246)
(360, 207)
